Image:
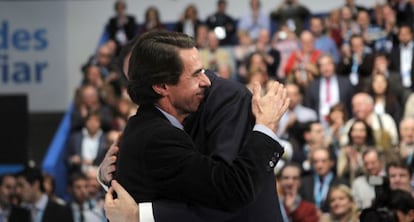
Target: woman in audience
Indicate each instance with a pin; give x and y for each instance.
(257, 70)
(189, 22)
(350, 163)
(286, 42)
(337, 118)
(342, 205)
(349, 26)
(50, 185)
(385, 100)
(242, 51)
(122, 27)
(87, 101)
(333, 26)
(301, 67)
(123, 110)
(152, 20)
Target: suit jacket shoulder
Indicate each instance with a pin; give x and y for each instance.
(56, 212)
(18, 214)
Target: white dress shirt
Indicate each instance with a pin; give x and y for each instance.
(327, 101)
(405, 63)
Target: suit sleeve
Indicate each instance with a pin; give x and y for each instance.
(228, 122)
(179, 172)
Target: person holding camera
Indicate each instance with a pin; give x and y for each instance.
(398, 208)
(363, 187)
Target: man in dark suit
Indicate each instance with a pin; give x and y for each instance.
(357, 64)
(122, 27)
(401, 59)
(220, 20)
(331, 87)
(8, 211)
(87, 146)
(31, 191)
(315, 187)
(211, 137)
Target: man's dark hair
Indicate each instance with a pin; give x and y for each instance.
(308, 126)
(4, 176)
(355, 36)
(400, 164)
(93, 114)
(31, 175)
(401, 200)
(290, 164)
(372, 150)
(155, 60)
(75, 177)
(119, 3)
(407, 26)
(369, 140)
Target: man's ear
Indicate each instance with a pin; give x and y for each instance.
(160, 89)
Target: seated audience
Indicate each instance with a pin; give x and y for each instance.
(122, 27)
(254, 21)
(350, 163)
(49, 185)
(385, 100)
(321, 180)
(323, 42)
(328, 90)
(383, 125)
(400, 176)
(32, 193)
(293, 13)
(87, 101)
(342, 205)
(301, 66)
(213, 56)
(295, 208)
(152, 21)
(336, 121)
(9, 211)
(87, 145)
(189, 21)
(84, 209)
(362, 190)
(222, 23)
(406, 145)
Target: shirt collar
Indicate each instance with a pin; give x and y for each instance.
(86, 134)
(41, 204)
(171, 119)
(409, 45)
(5, 212)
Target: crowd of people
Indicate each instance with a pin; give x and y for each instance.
(349, 76)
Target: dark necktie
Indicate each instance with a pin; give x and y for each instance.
(321, 181)
(81, 216)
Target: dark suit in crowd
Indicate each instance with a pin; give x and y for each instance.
(395, 64)
(55, 212)
(346, 91)
(18, 214)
